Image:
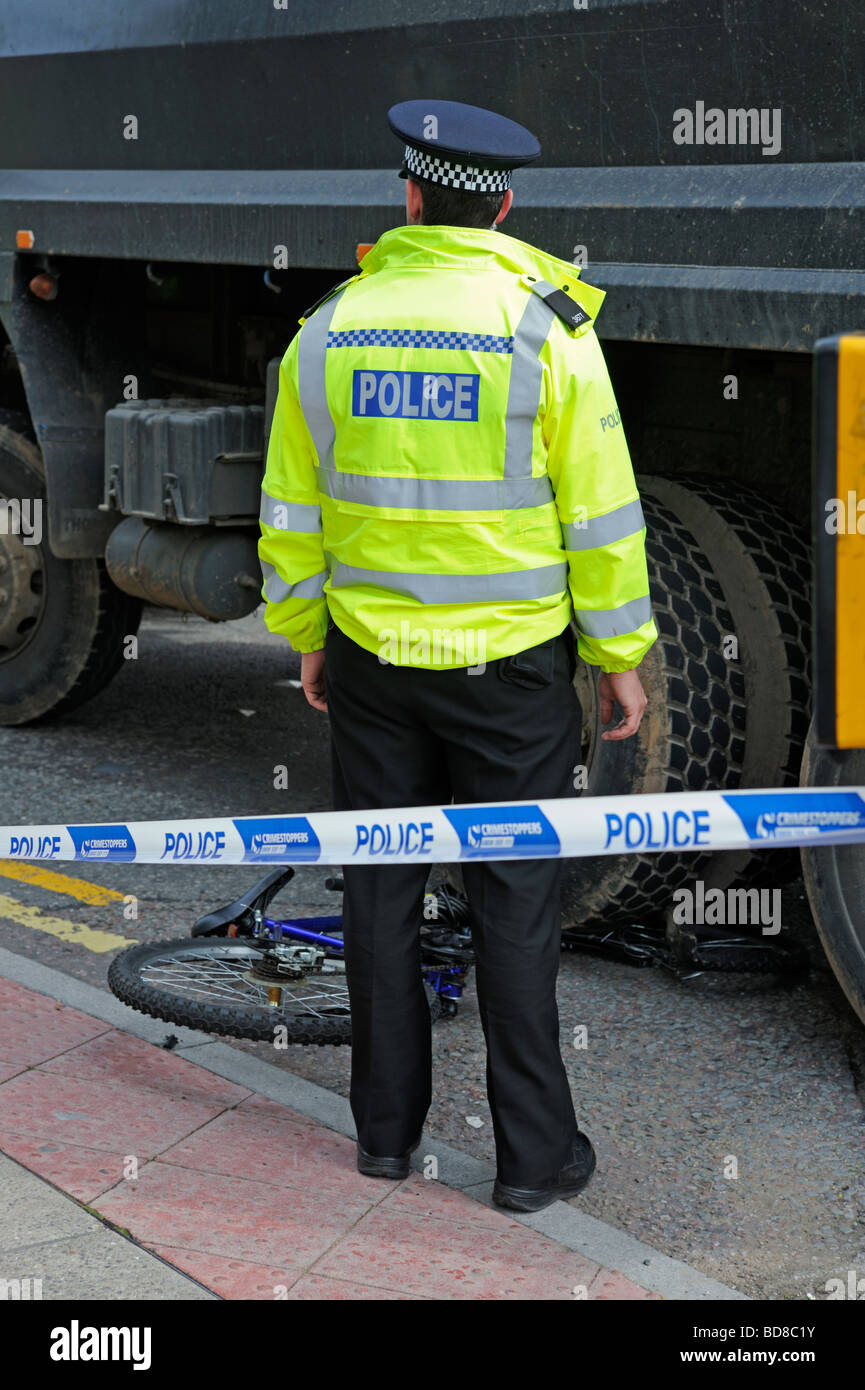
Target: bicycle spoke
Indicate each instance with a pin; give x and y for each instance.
(337, 997)
(225, 979)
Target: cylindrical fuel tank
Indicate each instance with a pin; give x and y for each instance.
(200, 569)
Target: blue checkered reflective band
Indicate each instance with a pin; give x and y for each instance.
(420, 337)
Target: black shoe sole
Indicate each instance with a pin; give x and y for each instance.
(532, 1199)
(395, 1168)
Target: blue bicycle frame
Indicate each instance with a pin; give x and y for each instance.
(446, 980)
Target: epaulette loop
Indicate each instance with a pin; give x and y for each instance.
(572, 314)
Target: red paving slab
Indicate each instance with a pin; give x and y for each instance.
(240, 1279)
(269, 1116)
(232, 1279)
(143, 1067)
(420, 1197)
(81, 1172)
(99, 1113)
(298, 1154)
(260, 1221)
(314, 1287)
(609, 1284)
(455, 1259)
(251, 1198)
(34, 1027)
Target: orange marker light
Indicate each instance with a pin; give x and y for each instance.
(25, 241)
(362, 248)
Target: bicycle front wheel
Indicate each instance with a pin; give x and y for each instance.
(233, 988)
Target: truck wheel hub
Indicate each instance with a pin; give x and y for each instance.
(22, 593)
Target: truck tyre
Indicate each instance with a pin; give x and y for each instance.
(62, 622)
(763, 562)
(692, 737)
(835, 874)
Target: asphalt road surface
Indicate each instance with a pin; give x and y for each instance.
(678, 1078)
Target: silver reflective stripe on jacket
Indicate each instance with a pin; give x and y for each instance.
(311, 387)
(524, 389)
(543, 582)
(614, 622)
(436, 494)
(276, 590)
(289, 516)
(604, 530)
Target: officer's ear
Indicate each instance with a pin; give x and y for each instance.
(413, 203)
(505, 208)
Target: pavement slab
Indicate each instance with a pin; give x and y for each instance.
(140, 1066)
(460, 1258)
(100, 1113)
(35, 1029)
(263, 1221)
(81, 1172)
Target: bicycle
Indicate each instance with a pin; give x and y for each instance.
(243, 974)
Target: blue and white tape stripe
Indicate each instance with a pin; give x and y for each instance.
(443, 834)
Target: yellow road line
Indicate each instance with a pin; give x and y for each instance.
(90, 937)
(92, 893)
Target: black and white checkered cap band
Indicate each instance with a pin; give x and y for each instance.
(465, 176)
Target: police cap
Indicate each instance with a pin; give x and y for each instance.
(461, 146)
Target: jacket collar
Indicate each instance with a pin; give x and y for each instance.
(420, 247)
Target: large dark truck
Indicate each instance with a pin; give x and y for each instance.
(181, 180)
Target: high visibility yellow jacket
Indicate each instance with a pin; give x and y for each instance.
(447, 470)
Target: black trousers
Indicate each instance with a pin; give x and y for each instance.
(405, 736)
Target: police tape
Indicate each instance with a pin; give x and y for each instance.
(569, 827)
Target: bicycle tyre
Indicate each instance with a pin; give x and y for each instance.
(257, 1023)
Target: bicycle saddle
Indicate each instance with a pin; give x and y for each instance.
(240, 911)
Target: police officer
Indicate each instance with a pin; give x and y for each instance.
(447, 486)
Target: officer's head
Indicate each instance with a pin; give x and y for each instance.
(434, 204)
(458, 161)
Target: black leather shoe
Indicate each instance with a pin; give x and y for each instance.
(398, 1167)
(569, 1181)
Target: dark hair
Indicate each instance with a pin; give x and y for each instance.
(452, 207)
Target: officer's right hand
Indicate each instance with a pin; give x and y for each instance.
(624, 688)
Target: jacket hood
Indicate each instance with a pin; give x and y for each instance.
(419, 247)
